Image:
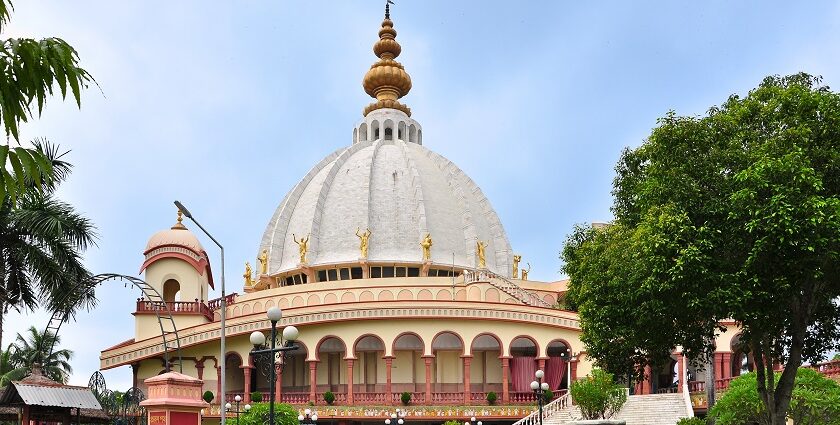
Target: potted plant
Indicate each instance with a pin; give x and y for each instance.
(405, 398)
(598, 398)
(208, 396)
(329, 397)
(491, 398)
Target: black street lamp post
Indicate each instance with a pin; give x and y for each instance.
(237, 399)
(472, 421)
(539, 388)
(396, 418)
(274, 353)
(308, 417)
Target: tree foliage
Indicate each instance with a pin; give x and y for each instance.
(41, 245)
(732, 215)
(28, 349)
(598, 396)
(815, 401)
(30, 71)
(284, 414)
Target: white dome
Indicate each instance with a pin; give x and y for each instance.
(398, 189)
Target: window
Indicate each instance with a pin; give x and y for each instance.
(322, 275)
(387, 272)
(389, 134)
(376, 272)
(356, 273)
(400, 272)
(413, 271)
(332, 274)
(290, 280)
(344, 274)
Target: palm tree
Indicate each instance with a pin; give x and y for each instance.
(41, 241)
(29, 350)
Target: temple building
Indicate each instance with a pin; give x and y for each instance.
(400, 277)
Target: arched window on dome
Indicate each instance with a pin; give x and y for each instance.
(363, 132)
(401, 130)
(171, 290)
(419, 137)
(412, 133)
(355, 136)
(389, 129)
(374, 128)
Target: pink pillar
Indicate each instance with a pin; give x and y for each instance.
(246, 370)
(681, 375)
(541, 363)
(467, 389)
(574, 371)
(199, 367)
(505, 379)
(313, 379)
(718, 366)
(428, 360)
(646, 383)
(727, 365)
(349, 381)
(219, 384)
(278, 385)
(389, 360)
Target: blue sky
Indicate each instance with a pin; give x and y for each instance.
(224, 105)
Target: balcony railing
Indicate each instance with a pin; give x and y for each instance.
(216, 304)
(174, 307)
(380, 398)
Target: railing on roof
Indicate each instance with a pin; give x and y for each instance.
(216, 304)
(174, 307)
(505, 285)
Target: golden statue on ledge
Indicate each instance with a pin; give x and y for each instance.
(263, 259)
(479, 249)
(303, 246)
(426, 243)
(249, 281)
(516, 260)
(525, 272)
(363, 241)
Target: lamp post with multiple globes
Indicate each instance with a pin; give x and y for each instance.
(539, 388)
(274, 353)
(308, 417)
(237, 399)
(396, 418)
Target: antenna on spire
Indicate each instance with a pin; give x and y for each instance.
(388, 4)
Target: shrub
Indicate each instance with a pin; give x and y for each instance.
(815, 400)
(691, 421)
(598, 396)
(491, 398)
(405, 398)
(329, 397)
(256, 397)
(452, 423)
(208, 396)
(547, 396)
(258, 415)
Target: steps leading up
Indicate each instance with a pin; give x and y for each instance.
(653, 409)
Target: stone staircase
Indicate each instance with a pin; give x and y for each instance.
(653, 409)
(505, 285)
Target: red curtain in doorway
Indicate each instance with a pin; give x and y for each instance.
(522, 373)
(555, 369)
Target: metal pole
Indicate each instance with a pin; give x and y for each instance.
(273, 374)
(540, 399)
(223, 361)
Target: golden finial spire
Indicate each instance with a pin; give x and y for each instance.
(387, 80)
(179, 225)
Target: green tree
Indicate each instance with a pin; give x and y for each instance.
(815, 401)
(732, 215)
(284, 414)
(598, 396)
(30, 349)
(30, 71)
(41, 240)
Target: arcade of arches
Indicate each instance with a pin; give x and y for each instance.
(450, 374)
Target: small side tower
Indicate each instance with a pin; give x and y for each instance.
(177, 266)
